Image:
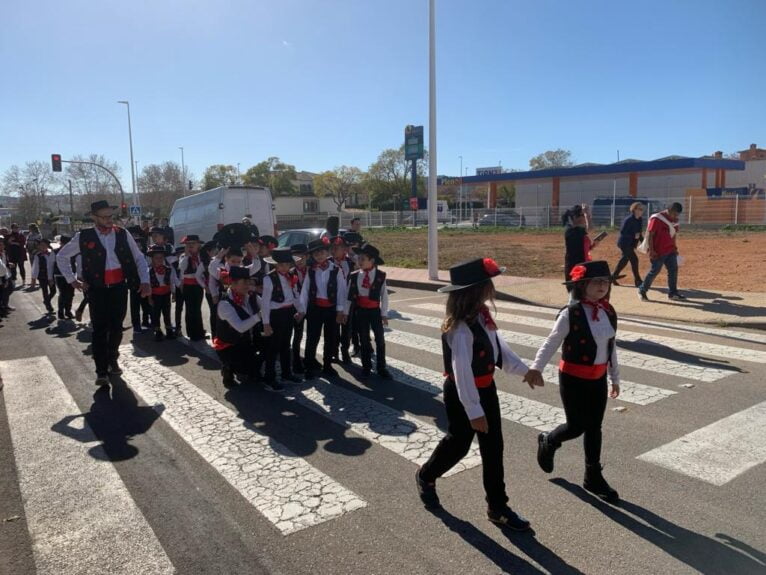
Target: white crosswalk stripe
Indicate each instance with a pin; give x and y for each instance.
(627, 358)
(287, 490)
(80, 514)
(696, 347)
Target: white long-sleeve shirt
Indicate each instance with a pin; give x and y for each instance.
(198, 275)
(291, 296)
(67, 252)
(365, 292)
(602, 332)
(175, 282)
(460, 341)
(49, 260)
(214, 271)
(227, 313)
(322, 278)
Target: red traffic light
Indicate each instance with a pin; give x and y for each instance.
(56, 162)
(124, 206)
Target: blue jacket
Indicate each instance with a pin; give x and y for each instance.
(630, 227)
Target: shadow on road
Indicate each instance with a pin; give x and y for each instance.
(704, 554)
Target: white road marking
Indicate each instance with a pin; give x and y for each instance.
(695, 347)
(81, 516)
(287, 490)
(719, 452)
(628, 358)
(651, 323)
(630, 392)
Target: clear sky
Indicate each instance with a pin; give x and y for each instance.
(321, 83)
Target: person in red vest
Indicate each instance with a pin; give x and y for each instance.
(111, 263)
(473, 349)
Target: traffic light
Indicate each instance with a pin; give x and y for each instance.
(190, 185)
(56, 162)
(124, 209)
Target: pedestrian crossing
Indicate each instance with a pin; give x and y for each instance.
(286, 490)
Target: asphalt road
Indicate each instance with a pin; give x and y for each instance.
(168, 471)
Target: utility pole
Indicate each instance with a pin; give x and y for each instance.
(433, 238)
(71, 200)
(183, 171)
(130, 138)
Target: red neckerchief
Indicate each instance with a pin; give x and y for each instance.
(596, 305)
(301, 273)
(194, 259)
(366, 280)
(238, 299)
(489, 323)
(159, 270)
(291, 279)
(323, 266)
(105, 230)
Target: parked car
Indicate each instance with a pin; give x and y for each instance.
(303, 236)
(504, 219)
(601, 210)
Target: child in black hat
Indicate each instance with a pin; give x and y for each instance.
(472, 351)
(278, 309)
(164, 282)
(237, 317)
(42, 271)
(192, 276)
(299, 272)
(587, 329)
(323, 302)
(340, 257)
(368, 295)
(65, 291)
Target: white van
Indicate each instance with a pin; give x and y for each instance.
(207, 212)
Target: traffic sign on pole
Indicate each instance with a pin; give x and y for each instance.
(135, 211)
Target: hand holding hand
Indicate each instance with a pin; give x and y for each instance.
(340, 318)
(267, 330)
(385, 321)
(299, 317)
(534, 378)
(78, 285)
(145, 290)
(480, 424)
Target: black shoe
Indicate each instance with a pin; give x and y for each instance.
(114, 368)
(507, 517)
(228, 377)
(642, 296)
(69, 315)
(292, 377)
(102, 381)
(345, 358)
(638, 283)
(596, 484)
(384, 373)
(158, 335)
(545, 452)
(427, 492)
(310, 374)
(366, 371)
(171, 334)
(60, 314)
(298, 367)
(51, 311)
(676, 297)
(146, 323)
(329, 371)
(273, 385)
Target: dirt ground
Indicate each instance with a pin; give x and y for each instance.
(728, 261)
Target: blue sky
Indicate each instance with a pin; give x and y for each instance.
(321, 83)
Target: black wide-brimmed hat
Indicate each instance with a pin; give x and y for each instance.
(157, 230)
(190, 238)
(471, 272)
(588, 271)
(299, 249)
(319, 244)
(268, 241)
(239, 273)
(371, 252)
(281, 256)
(136, 231)
(100, 205)
(232, 236)
(155, 249)
(352, 238)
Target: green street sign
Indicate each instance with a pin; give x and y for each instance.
(413, 143)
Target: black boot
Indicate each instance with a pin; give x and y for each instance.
(228, 377)
(596, 484)
(545, 452)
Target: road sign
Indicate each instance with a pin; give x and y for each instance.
(135, 211)
(413, 203)
(494, 170)
(413, 143)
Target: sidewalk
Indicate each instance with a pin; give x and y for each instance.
(733, 309)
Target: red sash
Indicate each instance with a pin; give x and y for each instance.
(113, 277)
(367, 303)
(190, 281)
(323, 302)
(161, 290)
(583, 371)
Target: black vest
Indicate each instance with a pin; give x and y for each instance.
(166, 278)
(482, 363)
(376, 287)
(223, 329)
(332, 285)
(191, 268)
(277, 293)
(94, 257)
(42, 266)
(579, 346)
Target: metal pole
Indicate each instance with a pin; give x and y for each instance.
(183, 172)
(736, 209)
(460, 193)
(71, 201)
(614, 198)
(130, 139)
(433, 239)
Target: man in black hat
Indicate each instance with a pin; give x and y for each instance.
(111, 262)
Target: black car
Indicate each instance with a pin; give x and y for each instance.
(302, 236)
(504, 219)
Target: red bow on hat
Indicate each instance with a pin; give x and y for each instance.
(326, 240)
(491, 267)
(577, 273)
(224, 277)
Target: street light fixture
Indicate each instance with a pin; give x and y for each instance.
(183, 171)
(130, 139)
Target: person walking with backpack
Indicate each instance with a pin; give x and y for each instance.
(660, 244)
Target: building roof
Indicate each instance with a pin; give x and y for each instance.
(671, 163)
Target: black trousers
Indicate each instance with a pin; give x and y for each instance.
(138, 305)
(213, 308)
(239, 358)
(19, 269)
(628, 255)
(354, 322)
(161, 307)
(179, 308)
(318, 318)
(5, 293)
(193, 296)
(370, 319)
(455, 445)
(66, 295)
(297, 339)
(278, 343)
(108, 307)
(584, 404)
(83, 303)
(49, 291)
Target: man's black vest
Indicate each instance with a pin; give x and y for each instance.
(376, 286)
(332, 285)
(223, 329)
(482, 363)
(93, 255)
(579, 346)
(42, 267)
(166, 278)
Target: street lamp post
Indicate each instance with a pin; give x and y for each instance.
(130, 138)
(183, 171)
(460, 193)
(433, 239)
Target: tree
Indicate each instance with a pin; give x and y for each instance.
(92, 183)
(551, 159)
(507, 195)
(390, 176)
(219, 175)
(338, 184)
(31, 184)
(273, 174)
(160, 186)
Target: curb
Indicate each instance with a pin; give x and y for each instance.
(430, 286)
